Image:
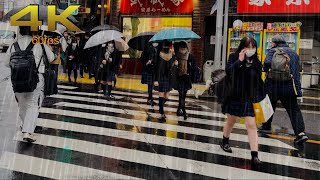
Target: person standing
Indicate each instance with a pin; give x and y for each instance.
(246, 87)
(57, 54)
(185, 65)
(286, 90)
(65, 42)
(148, 60)
(109, 66)
(30, 102)
(163, 69)
(73, 60)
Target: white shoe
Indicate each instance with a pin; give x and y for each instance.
(28, 137)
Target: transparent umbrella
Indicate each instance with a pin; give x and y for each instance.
(103, 37)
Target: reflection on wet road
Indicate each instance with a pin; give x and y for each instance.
(81, 135)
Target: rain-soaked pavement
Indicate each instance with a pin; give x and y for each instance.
(81, 135)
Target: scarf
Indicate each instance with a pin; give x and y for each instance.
(183, 63)
(166, 56)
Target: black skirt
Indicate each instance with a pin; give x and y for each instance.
(183, 83)
(238, 108)
(164, 84)
(108, 76)
(147, 77)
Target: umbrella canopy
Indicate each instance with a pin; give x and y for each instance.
(58, 32)
(104, 27)
(43, 14)
(103, 37)
(79, 33)
(121, 45)
(140, 41)
(174, 34)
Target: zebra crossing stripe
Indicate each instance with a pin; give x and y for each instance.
(53, 169)
(157, 160)
(184, 144)
(217, 134)
(67, 87)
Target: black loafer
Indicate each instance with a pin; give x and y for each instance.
(180, 112)
(225, 147)
(255, 162)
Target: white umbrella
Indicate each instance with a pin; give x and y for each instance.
(59, 28)
(103, 37)
(121, 45)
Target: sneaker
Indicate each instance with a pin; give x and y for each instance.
(180, 112)
(255, 162)
(264, 127)
(112, 97)
(302, 137)
(225, 147)
(150, 102)
(163, 116)
(185, 116)
(28, 137)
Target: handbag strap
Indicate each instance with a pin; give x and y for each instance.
(45, 57)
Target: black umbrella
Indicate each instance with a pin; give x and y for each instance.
(104, 27)
(140, 41)
(43, 14)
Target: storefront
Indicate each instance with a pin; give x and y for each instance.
(138, 16)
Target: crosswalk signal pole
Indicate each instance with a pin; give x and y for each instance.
(218, 40)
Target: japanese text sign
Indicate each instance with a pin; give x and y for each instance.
(156, 6)
(278, 6)
(283, 27)
(252, 26)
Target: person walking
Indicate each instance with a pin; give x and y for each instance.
(84, 56)
(57, 54)
(73, 60)
(65, 42)
(164, 65)
(148, 60)
(246, 87)
(286, 90)
(185, 65)
(29, 102)
(109, 66)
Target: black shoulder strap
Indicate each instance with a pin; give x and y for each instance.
(16, 46)
(44, 55)
(30, 46)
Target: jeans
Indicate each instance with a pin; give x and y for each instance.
(290, 103)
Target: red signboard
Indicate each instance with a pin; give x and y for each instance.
(278, 6)
(156, 6)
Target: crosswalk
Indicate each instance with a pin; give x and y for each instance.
(81, 135)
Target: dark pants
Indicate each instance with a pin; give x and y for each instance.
(182, 101)
(290, 103)
(55, 67)
(82, 69)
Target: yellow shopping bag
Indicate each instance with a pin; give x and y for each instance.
(263, 110)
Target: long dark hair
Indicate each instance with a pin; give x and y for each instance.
(244, 43)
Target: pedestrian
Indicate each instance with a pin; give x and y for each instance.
(84, 56)
(244, 73)
(148, 60)
(29, 102)
(164, 64)
(285, 90)
(73, 60)
(118, 69)
(56, 48)
(109, 65)
(65, 42)
(185, 65)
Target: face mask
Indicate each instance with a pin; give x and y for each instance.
(155, 44)
(74, 45)
(110, 48)
(250, 52)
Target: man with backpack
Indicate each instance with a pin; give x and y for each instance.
(283, 83)
(26, 61)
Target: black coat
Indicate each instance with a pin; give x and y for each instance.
(75, 61)
(245, 82)
(184, 83)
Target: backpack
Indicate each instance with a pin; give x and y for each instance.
(220, 85)
(280, 66)
(24, 71)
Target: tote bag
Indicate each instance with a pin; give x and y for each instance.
(263, 110)
(50, 77)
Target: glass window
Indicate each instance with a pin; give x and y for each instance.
(132, 26)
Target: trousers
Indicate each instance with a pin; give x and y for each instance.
(29, 106)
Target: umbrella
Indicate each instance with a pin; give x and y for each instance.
(104, 27)
(140, 41)
(175, 34)
(79, 33)
(103, 37)
(43, 14)
(58, 32)
(121, 45)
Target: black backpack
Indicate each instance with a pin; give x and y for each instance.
(24, 71)
(220, 85)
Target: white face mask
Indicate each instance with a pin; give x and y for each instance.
(110, 48)
(74, 45)
(251, 52)
(155, 44)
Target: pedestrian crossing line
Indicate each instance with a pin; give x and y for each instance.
(145, 107)
(157, 160)
(292, 138)
(273, 158)
(67, 87)
(53, 169)
(217, 134)
(138, 100)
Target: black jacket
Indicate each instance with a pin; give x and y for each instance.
(245, 81)
(149, 54)
(163, 67)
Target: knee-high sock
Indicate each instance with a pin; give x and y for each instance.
(75, 74)
(109, 90)
(183, 102)
(150, 89)
(161, 105)
(104, 88)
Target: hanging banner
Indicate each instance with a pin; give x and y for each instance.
(278, 6)
(156, 6)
